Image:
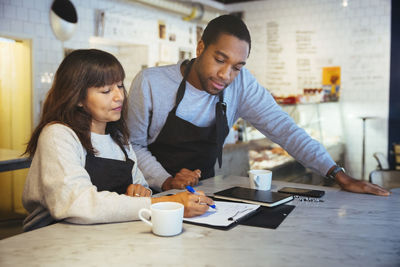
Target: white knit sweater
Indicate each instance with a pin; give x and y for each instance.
(58, 186)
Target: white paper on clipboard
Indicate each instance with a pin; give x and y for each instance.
(225, 214)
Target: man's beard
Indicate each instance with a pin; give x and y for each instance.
(205, 83)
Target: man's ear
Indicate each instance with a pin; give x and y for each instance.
(200, 48)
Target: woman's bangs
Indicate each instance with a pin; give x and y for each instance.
(107, 75)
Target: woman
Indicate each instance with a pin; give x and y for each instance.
(83, 168)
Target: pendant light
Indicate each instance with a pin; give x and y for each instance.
(63, 19)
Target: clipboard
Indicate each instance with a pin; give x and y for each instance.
(227, 215)
(263, 217)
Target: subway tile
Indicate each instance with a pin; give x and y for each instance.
(17, 3)
(40, 56)
(22, 13)
(33, 16)
(16, 27)
(39, 30)
(5, 25)
(45, 17)
(10, 12)
(30, 4)
(28, 28)
(56, 46)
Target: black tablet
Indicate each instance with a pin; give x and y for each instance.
(261, 197)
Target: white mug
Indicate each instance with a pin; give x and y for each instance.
(260, 179)
(166, 218)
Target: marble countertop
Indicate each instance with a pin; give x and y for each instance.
(346, 229)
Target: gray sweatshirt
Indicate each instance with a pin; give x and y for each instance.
(152, 96)
(58, 187)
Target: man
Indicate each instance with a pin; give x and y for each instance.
(179, 115)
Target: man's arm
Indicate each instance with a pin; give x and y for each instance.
(259, 108)
(139, 119)
(277, 125)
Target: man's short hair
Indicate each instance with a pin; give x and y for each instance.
(228, 24)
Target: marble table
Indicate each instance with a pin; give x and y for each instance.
(346, 229)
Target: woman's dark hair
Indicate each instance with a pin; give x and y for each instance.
(80, 70)
(228, 24)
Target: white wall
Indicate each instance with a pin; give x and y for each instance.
(356, 37)
(125, 22)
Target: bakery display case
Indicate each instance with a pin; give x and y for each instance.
(252, 150)
(322, 121)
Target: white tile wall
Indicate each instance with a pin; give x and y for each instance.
(357, 38)
(126, 21)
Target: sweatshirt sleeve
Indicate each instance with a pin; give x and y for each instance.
(60, 183)
(139, 120)
(137, 175)
(259, 108)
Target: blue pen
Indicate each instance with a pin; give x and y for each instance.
(191, 190)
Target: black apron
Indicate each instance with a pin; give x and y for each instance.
(110, 174)
(182, 144)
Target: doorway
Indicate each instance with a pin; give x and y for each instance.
(15, 115)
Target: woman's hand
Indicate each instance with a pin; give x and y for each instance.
(195, 204)
(137, 190)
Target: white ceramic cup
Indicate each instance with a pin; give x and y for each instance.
(260, 179)
(166, 218)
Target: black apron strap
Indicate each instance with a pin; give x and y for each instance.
(123, 150)
(221, 125)
(182, 86)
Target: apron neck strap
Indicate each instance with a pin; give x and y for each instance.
(221, 101)
(182, 86)
(120, 146)
(123, 150)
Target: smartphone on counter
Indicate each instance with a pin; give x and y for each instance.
(302, 192)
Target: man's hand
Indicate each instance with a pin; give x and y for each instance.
(353, 185)
(137, 190)
(183, 178)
